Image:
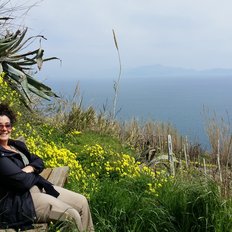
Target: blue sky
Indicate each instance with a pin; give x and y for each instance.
(181, 33)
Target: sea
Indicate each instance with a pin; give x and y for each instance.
(187, 103)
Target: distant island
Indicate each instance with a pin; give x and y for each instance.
(167, 71)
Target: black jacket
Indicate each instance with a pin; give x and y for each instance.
(16, 205)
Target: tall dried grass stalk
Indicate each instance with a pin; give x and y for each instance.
(205, 170)
(219, 129)
(218, 161)
(151, 134)
(170, 155)
(116, 83)
(186, 157)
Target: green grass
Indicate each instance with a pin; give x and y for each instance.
(195, 205)
(77, 142)
(125, 206)
(92, 138)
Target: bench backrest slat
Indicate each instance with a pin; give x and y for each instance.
(56, 176)
(46, 173)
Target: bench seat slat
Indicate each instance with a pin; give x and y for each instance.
(42, 227)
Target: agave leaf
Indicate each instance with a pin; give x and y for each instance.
(20, 80)
(9, 60)
(26, 42)
(5, 47)
(39, 58)
(25, 88)
(37, 84)
(29, 84)
(52, 58)
(24, 60)
(5, 18)
(26, 63)
(24, 55)
(40, 86)
(22, 97)
(30, 61)
(13, 76)
(38, 92)
(19, 40)
(9, 38)
(4, 44)
(20, 77)
(16, 74)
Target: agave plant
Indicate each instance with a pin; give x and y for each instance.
(17, 66)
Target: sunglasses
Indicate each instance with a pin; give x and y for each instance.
(7, 126)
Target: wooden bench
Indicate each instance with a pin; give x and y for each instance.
(57, 176)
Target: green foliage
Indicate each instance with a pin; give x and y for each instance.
(16, 66)
(223, 221)
(92, 138)
(79, 119)
(194, 204)
(126, 206)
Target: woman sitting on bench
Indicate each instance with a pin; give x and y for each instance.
(25, 196)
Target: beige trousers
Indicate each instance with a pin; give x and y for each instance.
(68, 205)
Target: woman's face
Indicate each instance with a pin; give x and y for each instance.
(5, 128)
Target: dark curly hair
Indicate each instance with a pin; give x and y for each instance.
(6, 110)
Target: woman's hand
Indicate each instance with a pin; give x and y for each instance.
(28, 169)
